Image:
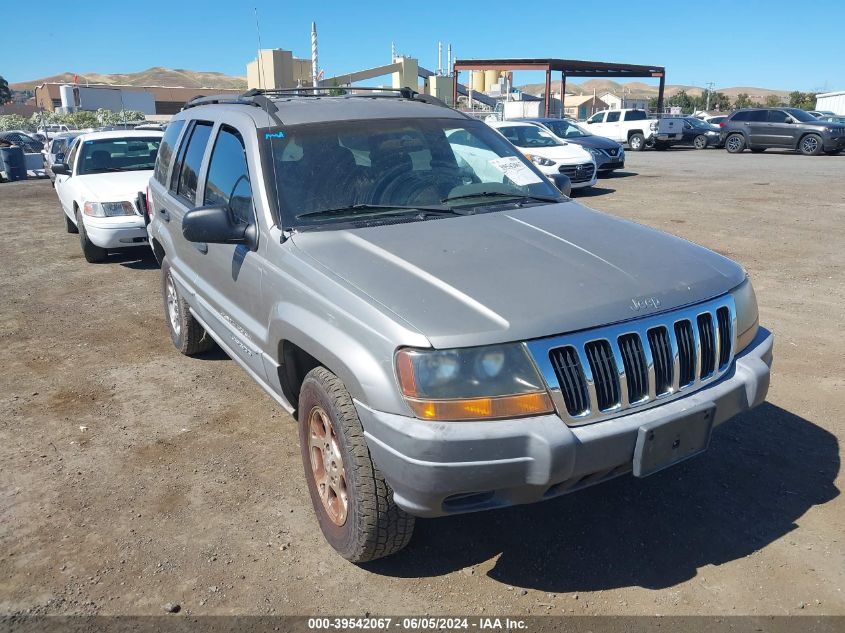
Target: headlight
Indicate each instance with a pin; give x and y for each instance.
(539, 160)
(480, 383)
(108, 209)
(747, 317)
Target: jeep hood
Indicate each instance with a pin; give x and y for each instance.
(520, 274)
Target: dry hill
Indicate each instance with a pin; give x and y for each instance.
(156, 76)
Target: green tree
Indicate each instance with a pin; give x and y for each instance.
(5, 92)
(14, 122)
(742, 101)
(683, 100)
(803, 100)
(720, 101)
(773, 101)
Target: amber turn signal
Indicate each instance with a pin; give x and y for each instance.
(516, 406)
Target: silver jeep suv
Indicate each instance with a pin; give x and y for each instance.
(451, 333)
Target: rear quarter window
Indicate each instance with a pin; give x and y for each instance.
(740, 116)
(636, 115)
(165, 150)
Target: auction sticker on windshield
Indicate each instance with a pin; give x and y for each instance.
(516, 170)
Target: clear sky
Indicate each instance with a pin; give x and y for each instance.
(776, 44)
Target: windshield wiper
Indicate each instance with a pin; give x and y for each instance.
(362, 208)
(488, 194)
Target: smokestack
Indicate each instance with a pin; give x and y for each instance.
(392, 52)
(449, 60)
(439, 58)
(314, 54)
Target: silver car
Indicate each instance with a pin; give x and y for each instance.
(449, 331)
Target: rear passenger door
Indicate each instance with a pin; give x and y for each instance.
(758, 127)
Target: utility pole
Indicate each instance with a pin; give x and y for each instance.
(709, 85)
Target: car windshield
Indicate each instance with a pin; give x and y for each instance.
(352, 171)
(98, 156)
(566, 129)
(697, 122)
(528, 136)
(801, 115)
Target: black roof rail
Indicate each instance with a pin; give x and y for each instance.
(348, 91)
(250, 98)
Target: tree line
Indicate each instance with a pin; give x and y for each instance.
(723, 103)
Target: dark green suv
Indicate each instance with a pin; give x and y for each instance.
(758, 129)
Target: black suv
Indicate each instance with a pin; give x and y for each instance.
(790, 128)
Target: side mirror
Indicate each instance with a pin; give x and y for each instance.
(214, 225)
(589, 121)
(788, 120)
(563, 183)
(61, 169)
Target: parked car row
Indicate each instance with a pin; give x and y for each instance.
(450, 333)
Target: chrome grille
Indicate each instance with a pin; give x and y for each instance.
(571, 377)
(603, 373)
(636, 372)
(582, 172)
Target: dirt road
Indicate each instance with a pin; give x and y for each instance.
(132, 476)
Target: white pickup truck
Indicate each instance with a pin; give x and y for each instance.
(635, 128)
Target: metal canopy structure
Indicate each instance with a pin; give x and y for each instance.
(567, 68)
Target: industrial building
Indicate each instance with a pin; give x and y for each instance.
(147, 99)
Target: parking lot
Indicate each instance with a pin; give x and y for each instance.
(133, 476)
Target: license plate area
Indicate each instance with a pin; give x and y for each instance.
(663, 444)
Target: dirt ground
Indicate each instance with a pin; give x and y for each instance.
(132, 476)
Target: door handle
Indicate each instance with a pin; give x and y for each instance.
(165, 214)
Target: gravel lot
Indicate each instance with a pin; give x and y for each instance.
(132, 477)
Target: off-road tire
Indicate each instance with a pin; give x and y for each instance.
(735, 143)
(374, 525)
(811, 145)
(69, 225)
(636, 142)
(190, 338)
(93, 254)
(700, 142)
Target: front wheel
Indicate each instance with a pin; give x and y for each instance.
(93, 254)
(353, 503)
(700, 142)
(69, 225)
(811, 145)
(636, 142)
(735, 143)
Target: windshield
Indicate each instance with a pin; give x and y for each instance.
(801, 115)
(566, 129)
(528, 136)
(345, 171)
(697, 122)
(118, 154)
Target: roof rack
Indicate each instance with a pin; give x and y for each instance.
(262, 98)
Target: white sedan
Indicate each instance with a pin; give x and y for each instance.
(550, 154)
(98, 184)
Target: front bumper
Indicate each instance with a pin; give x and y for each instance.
(605, 163)
(441, 468)
(832, 144)
(116, 232)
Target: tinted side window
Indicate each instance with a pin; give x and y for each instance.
(757, 115)
(636, 115)
(189, 170)
(165, 150)
(596, 118)
(740, 116)
(228, 183)
(612, 117)
(777, 116)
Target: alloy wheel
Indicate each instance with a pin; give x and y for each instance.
(173, 306)
(327, 466)
(810, 145)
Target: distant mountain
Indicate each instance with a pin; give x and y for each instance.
(157, 76)
(640, 89)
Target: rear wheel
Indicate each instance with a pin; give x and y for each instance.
(353, 502)
(811, 145)
(700, 142)
(188, 336)
(93, 254)
(636, 142)
(735, 143)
